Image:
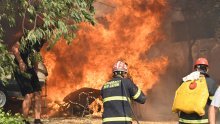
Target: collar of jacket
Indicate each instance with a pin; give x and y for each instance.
(118, 76)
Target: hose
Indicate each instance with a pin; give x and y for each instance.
(135, 117)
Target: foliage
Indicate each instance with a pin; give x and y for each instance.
(48, 19)
(6, 63)
(6, 12)
(8, 118)
(42, 19)
(59, 19)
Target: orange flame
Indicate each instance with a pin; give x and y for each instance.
(129, 33)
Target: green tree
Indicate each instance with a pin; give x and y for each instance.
(40, 19)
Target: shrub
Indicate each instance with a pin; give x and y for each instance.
(8, 118)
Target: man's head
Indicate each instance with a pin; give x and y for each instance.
(201, 65)
(120, 69)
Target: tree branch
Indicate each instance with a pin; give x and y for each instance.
(23, 20)
(35, 22)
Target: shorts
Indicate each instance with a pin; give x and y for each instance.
(28, 82)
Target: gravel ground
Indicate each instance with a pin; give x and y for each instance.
(74, 120)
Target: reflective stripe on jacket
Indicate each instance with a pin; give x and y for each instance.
(202, 121)
(112, 98)
(117, 119)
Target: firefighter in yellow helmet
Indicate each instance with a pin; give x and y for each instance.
(116, 95)
(201, 66)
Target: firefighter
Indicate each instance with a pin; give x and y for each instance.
(116, 95)
(215, 105)
(201, 65)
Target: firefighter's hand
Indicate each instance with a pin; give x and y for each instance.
(22, 66)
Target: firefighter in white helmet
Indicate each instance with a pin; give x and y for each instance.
(116, 95)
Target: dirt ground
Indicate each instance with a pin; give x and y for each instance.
(74, 120)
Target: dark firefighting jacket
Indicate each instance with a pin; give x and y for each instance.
(194, 118)
(116, 100)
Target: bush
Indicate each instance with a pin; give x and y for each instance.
(8, 118)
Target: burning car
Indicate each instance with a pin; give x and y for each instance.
(78, 103)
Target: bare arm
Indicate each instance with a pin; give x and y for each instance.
(15, 51)
(212, 114)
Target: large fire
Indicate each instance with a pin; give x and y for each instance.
(131, 29)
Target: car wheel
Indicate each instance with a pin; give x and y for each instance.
(2, 98)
